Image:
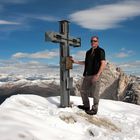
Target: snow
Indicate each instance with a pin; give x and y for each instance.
(32, 117)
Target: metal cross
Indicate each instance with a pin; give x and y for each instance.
(66, 82)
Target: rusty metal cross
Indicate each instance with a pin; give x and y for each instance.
(66, 82)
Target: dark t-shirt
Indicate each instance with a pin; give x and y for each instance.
(93, 61)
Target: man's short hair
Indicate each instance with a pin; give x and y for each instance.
(95, 37)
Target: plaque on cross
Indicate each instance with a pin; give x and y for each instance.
(66, 82)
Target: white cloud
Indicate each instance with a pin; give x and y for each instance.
(24, 22)
(13, 64)
(7, 62)
(43, 17)
(20, 55)
(49, 54)
(124, 53)
(128, 65)
(13, 1)
(106, 16)
(5, 22)
(46, 18)
(123, 49)
(80, 55)
(132, 67)
(30, 65)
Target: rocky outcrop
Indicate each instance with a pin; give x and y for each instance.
(109, 82)
(116, 85)
(132, 93)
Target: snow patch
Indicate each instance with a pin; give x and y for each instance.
(31, 117)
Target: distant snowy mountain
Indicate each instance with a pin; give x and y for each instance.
(44, 81)
(32, 117)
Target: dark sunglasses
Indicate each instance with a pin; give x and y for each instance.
(94, 41)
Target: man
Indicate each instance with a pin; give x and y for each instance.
(94, 65)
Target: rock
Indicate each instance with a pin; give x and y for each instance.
(132, 93)
(116, 85)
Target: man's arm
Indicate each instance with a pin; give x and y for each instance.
(102, 66)
(102, 61)
(79, 62)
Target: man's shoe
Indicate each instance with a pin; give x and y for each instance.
(91, 112)
(83, 107)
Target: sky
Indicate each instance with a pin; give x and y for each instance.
(23, 24)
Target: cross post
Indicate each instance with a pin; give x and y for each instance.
(66, 82)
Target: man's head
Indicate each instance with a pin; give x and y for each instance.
(94, 41)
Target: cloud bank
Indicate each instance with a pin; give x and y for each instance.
(5, 22)
(124, 53)
(38, 55)
(107, 16)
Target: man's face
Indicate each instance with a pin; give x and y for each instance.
(94, 42)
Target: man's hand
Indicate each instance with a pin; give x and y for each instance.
(71, 58)
(95, 78)
(77, 62)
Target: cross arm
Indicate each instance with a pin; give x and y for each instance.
(60, 38)
(54, 37)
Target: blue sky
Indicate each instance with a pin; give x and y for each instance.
(24, 22)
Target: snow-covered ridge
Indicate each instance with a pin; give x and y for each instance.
(31, 117)
(30, 82)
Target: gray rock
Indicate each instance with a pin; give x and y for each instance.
(116, 85)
